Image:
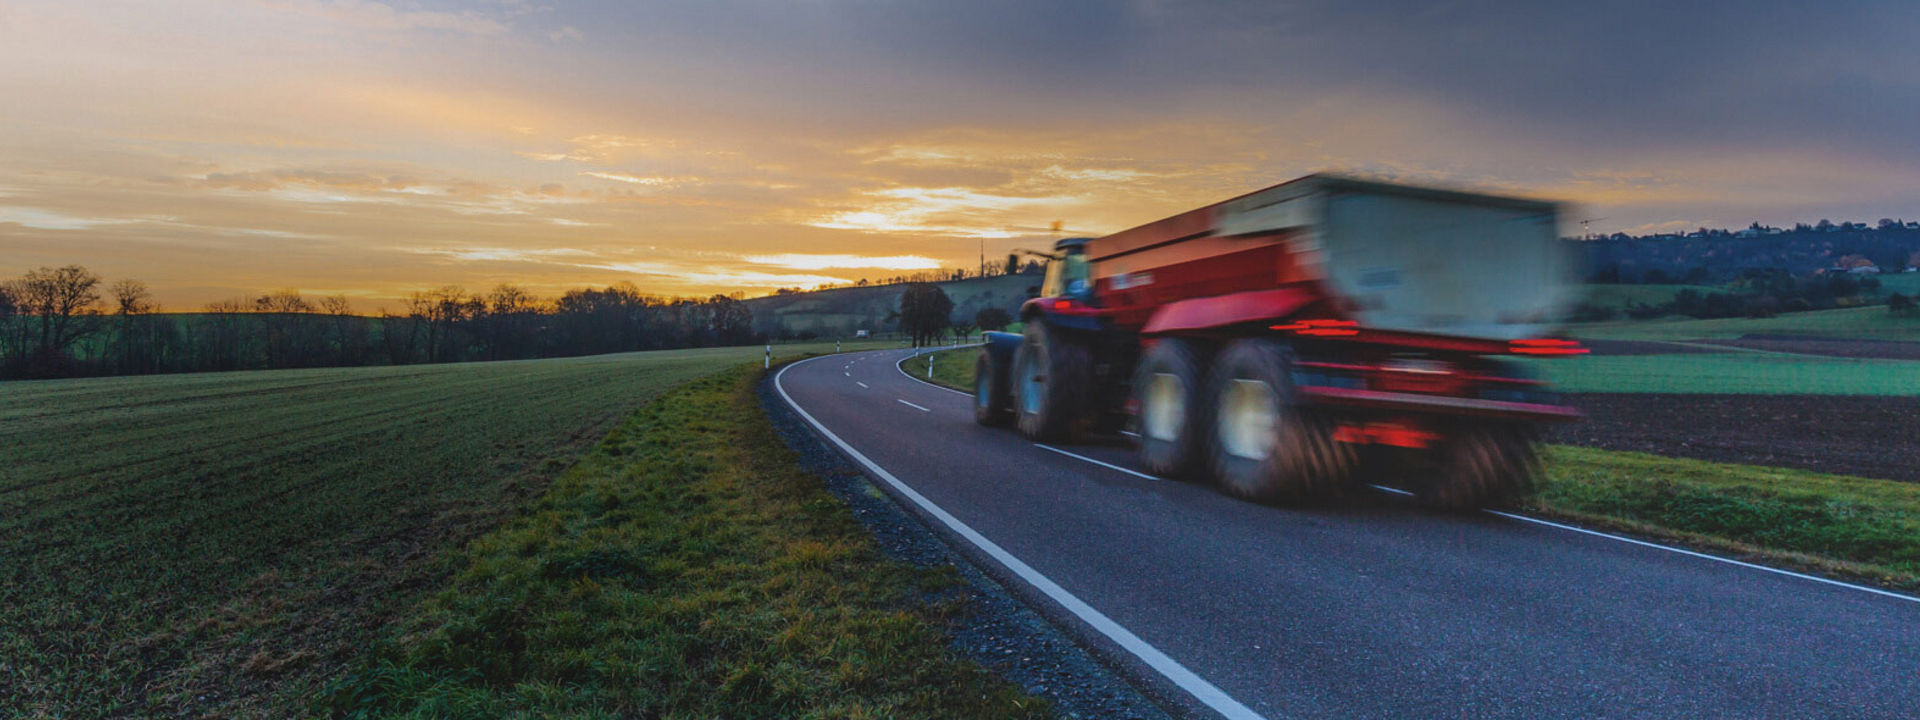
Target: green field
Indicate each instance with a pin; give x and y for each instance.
(1732, 372)
(1619, 296)
(1867, 323)
(224, 541)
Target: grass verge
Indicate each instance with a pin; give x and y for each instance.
(952, 367)
(1860, 527)
(685, 568)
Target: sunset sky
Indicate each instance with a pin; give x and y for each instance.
(215, 148)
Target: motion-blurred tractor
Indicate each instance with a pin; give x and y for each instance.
(1283, 342)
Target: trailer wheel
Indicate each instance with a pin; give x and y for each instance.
(1170, 394)
(1485, 465)
(1052, 376)
(991, 405)
(1263, 445)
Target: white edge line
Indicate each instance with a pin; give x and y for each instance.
(930, 383)
(1682, 551)
(911, 405)
(1111, 466)
(1705, 556)
(1209, 695)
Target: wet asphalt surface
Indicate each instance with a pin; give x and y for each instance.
(1375, 608)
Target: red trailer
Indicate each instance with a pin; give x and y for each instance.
(1285, 342)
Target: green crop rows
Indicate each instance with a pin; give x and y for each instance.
(174, 544)
(1733, 372)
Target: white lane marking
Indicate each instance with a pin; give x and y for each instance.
(1112, 466)
(926, 382)
(1129, 433)
(1704, 556)
(861, 384)
(1394, 490)
(848, 374)
(911, 405)
(1205, 692)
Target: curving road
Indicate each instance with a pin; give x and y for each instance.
(1382, 610)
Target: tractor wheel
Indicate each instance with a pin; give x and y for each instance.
(1170, 396)
(1052, 376)
(1263, 445)
(991, 406)
(1485, 465)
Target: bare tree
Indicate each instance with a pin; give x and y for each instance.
(441, 310)
(346, 332)
(62, 301)
(510, 322)
(133, 343)
(289, 333)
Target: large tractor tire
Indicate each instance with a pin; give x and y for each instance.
(1263, 446)
(1052, 376)
(1170, 399)
(992, 406)
(1483, 465)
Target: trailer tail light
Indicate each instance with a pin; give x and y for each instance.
(1546, 346)
(1322, 328)
(1062, 304)
(1391, 434)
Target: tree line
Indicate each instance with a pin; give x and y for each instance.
(1708, 256)
(67, 322)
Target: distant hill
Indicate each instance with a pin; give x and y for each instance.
(840, 312)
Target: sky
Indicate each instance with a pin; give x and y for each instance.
(223, 148)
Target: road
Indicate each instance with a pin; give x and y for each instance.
(1379, 610)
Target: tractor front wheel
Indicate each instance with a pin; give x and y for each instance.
(1052, 377)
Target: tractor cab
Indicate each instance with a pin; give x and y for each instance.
(1070, 273)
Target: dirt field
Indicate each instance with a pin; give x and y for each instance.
(1853, 435)
(1643, 347)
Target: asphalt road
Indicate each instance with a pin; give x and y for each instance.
(1379, 610)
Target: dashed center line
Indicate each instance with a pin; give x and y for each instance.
(911, 405)
(861, 384)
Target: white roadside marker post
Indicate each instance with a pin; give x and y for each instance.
(768, 365)
(929, 366)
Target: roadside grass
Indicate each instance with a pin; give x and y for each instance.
(686, 568)
(1848, 525)
(1734, 372)
(1861, 527)
(952, 367)
(223, 543)
(1873, 322)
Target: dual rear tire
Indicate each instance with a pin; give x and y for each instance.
(1264, 445)
(1240, 423)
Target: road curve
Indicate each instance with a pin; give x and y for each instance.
(1380, 610)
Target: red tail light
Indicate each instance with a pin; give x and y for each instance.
(1321, 328)
(1546, 346)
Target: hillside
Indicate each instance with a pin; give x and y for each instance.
(840, 312)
